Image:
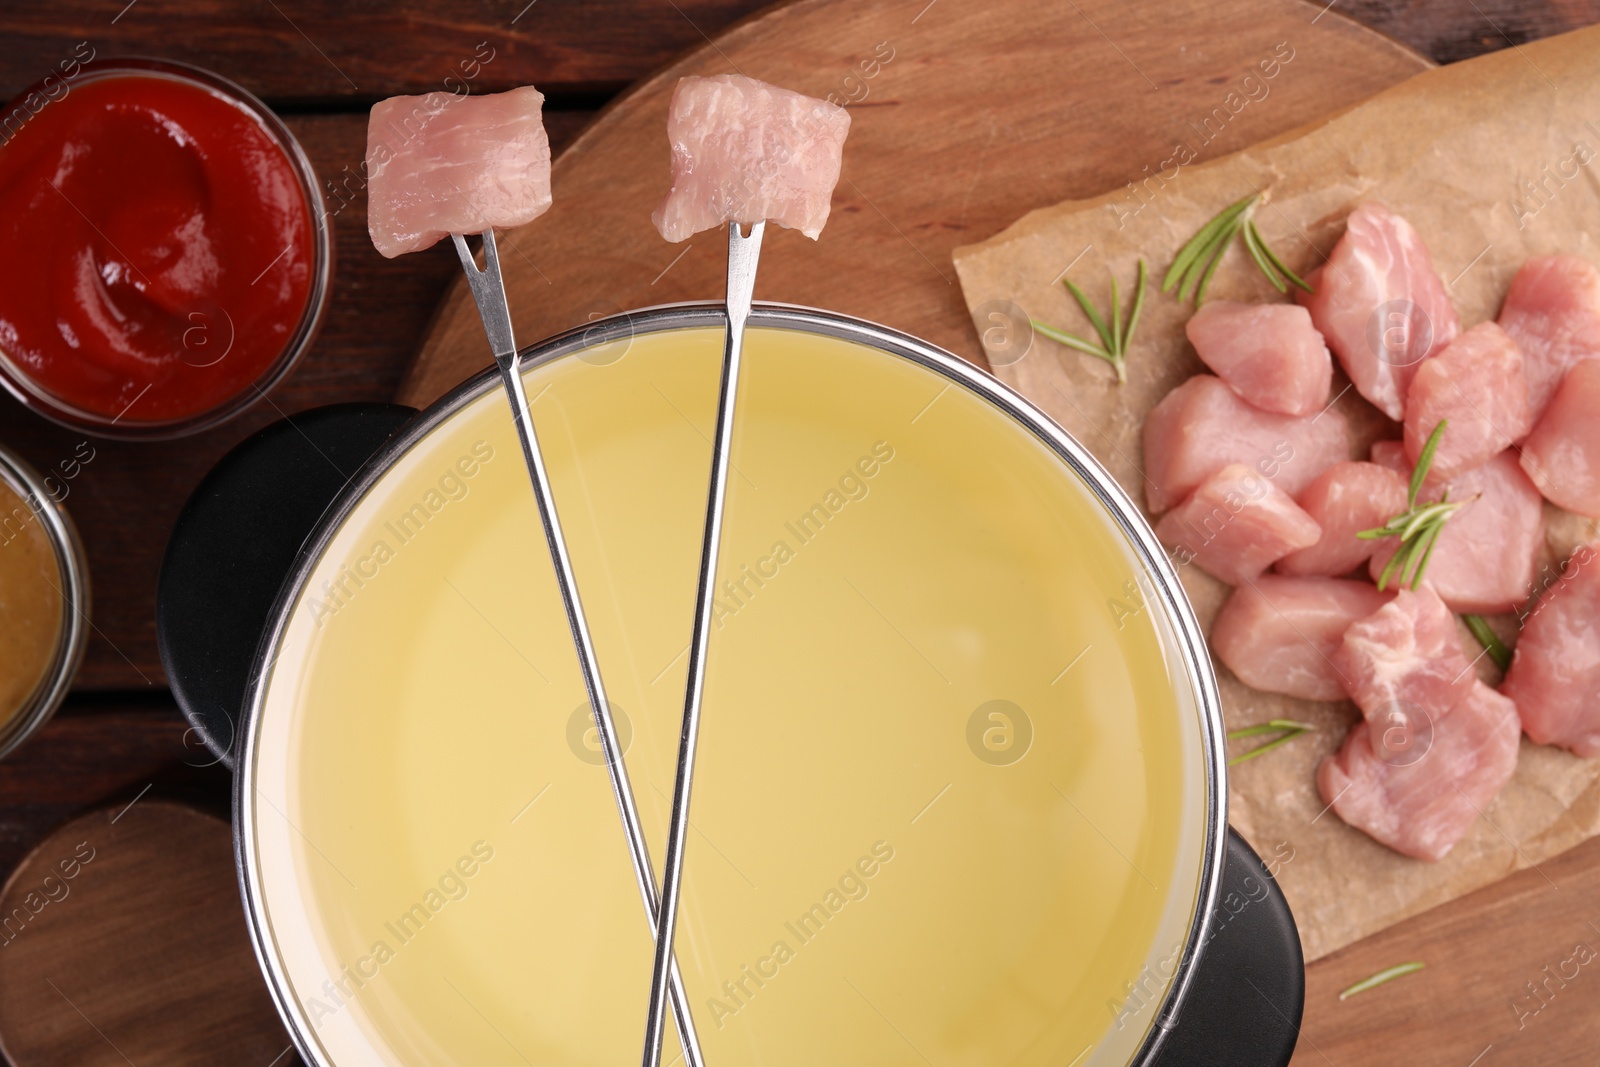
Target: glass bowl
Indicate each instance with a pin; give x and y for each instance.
(33, 394)
(41, 507)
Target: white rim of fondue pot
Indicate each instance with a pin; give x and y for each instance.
(1188, 639)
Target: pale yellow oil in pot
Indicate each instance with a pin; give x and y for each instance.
(950, 806)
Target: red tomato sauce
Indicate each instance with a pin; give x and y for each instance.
(156, 248)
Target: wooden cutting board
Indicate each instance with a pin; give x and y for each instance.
(124, 942)
(965, 116)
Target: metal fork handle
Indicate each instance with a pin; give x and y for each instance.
(488, 291)
(744, 255)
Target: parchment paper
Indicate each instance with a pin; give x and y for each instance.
(1493, 160)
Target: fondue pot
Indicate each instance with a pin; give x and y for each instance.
(962, 793)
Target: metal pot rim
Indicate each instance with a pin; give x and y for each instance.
(1190, 639)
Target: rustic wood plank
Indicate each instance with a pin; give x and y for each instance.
(127, 497)
(99, 751)
(1447, 30)
(318, 51)
(315, 52)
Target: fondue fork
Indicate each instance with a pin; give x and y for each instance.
(489, 293)
(744, 255)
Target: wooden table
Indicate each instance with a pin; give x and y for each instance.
(321, 65)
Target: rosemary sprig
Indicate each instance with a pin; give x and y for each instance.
(1288, 727)
(1271, 726)
(1198, 260)
(1388, 975)
(1417, 527)
(1489, 640)
(1115, 337)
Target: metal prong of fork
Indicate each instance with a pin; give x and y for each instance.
(490, 295)
(744, 255)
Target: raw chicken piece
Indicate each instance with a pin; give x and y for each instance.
(744, 151)
(1236, 525)
(1391, 454)
(1381, 307)
(1270, 354)
(1280, 634)
(1486, 559)
(1344, 500)
(1476, 383)
(1405, 658)
(440, 164)
(1202, 426)
(1553, 313)
(1562, 455)
(1421, 792)
(1555, 673)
